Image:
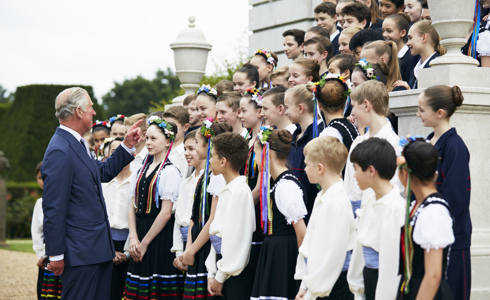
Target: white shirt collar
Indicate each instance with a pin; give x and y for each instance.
(402, 51)
(332, 190)
(333, 35)
(73, 132)
(235, 182)
(421, 65)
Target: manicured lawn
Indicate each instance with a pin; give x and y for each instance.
(24, 245)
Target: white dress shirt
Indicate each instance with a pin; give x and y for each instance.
(379, 228)
(138, 160)
(183, 211)
(329, 236)
(117, 197)
(234, 223)
(37, 229)
(351, 186)
(177, 157)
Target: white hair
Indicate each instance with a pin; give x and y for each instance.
(68, 100)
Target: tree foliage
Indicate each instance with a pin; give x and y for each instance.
(28, 125)
(5, 96)
(136, 95)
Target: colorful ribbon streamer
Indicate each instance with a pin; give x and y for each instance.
(265, 200)
(204, 190)
(476, 30)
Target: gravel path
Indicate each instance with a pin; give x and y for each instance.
(18, 275)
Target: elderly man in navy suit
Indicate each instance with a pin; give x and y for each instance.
(76, 228)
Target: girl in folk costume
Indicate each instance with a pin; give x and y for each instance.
(186, 199)
(204, 206)
(206, 102)
(265, 62)
(250, 114)
(282, 210)
(428, 232)
(151, 273)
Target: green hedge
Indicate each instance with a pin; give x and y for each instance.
(28, 125)
(21, 198)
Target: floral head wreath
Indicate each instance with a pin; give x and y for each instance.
(106, 141)
(206, 128)
(118, 117)
(264, 133)
(208, 133)
(407, 229)
(167, 128)
(102, 124)
(256, 95)
(267, 55)
(206, 88)
(154, 190)
(367, 69)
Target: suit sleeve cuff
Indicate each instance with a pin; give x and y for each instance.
(221, 277)
(130, 151)
(57, 257)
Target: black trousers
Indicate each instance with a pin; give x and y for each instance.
(240, 287)
(40, 274)
(87, 282)
(370, 282)
(119, 273)
(340, 290)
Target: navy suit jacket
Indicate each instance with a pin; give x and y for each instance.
(413, 82)
(75, 216)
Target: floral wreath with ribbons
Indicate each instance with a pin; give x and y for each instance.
(167, 128)
(256, 95)
(208, 133)
(407, 245)
(265, 200)
(102, 124)
(206, 88)
(106, 141)
(367, 69)
(267, 55)
(118, 117)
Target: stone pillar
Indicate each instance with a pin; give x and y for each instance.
(269, 19)
(190, 56)
(4, 167)
(453, 19)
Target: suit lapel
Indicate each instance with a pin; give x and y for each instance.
(80, 151)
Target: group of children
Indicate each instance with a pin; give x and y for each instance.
(283, 183)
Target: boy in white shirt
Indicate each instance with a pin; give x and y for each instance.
(373, 273)
(369, 107)
(234, 222)
(324, 256)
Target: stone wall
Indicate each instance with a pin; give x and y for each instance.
(269, 19)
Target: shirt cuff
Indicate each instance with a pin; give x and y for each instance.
(303, 286)
(57, 257)
(221, 277)
(130, 151)
(211, 275)
(309, 296)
